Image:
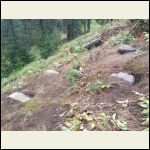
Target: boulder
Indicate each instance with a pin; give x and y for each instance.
(122, 78)
(126, 49)
(19, 97)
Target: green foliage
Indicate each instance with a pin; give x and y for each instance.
(145, 25)
(6, 67)
(127, 39)
(121, 38)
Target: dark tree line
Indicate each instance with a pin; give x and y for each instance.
(19, 36)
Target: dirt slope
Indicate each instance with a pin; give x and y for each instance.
(51, 99)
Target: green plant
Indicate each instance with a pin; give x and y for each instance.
(120, 38)
(72, 76)
(127, 39)
(77, 65)
(98, 86)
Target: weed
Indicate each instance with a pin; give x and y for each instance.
(135, 69)
(73, 89)
(30, 107)
(142, 83)
(97, 86)
(72, 76)
(77, 65)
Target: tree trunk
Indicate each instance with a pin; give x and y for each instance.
(88, 24)
(69, 29)
(84, 26)
(41, 24)
(12, 30)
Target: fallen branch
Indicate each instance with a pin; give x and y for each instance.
(135, 26)
(94, 42)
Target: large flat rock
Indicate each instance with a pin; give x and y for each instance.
(126, 49)
(19, 97)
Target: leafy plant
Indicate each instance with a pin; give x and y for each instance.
(144, 103)
(122, 125)
(88, 121)
(71, 124)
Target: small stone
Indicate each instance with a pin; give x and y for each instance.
(82, 84)
(74, 104)
(51, 72)
(126, 48)
(19, 97)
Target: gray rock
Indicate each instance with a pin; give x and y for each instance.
(51, 72)
(19, 97)
(126, 48)
(125, 78)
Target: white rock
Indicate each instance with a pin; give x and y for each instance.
(19, 97)
(124, 76)
(137, 93)
(51, 72)
(63, 114)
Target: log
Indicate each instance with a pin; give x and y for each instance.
(95, 42)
